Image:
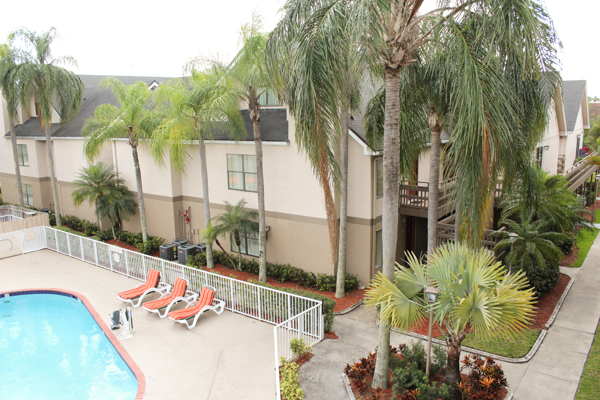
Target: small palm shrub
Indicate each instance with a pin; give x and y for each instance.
(289, 383)
(408, 373)
(299, 348)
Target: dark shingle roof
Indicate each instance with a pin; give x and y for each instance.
(273, 122)
(572, 95)
(273, 126)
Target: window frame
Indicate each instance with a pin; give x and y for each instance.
(539, 155)
(244, 239)
(267, 95)
(378, 162)
(23, 156)
(27, 194)
(243, 172)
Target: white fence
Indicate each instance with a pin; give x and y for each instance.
(294, 316)
(6, 218)
(16, 212)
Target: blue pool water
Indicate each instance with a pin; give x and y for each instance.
(52, 348)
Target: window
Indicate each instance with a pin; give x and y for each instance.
(268, 98)
(539, 152)
(379, 172)
(22, 154)
(577, 151)
(27, 195)
(378, 249)
(248, 243)
(241, 172)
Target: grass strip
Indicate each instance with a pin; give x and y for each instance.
(516, 347)
(589, 385)
(585, 239)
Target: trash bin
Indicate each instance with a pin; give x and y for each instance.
(46, 210)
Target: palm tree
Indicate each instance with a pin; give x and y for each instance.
(250, 72)
(9, 92)
(235, 221)
(118, 206)
(533, 248)
(316, 71)
(53, 89)
(93, 183)
(132, 119)
(545, 197)
(195, 110)
(475, 293)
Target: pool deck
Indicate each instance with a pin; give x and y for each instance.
(225, 356)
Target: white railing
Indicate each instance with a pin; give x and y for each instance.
(293, 316)
(6, 218)
(16, 212)
(308, 326)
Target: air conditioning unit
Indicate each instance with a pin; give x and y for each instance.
(201, 247)
(186, 250)
(177, 243)
(168, 252)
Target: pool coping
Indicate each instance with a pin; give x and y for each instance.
(107, 332)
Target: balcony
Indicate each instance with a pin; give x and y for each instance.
(414, 198)
(446, 230)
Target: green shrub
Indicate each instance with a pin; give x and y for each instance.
(299, 348)
(566, 245)
(290, 389)
(151, 246)
(282, 273)
(105, 235)
(69, 230)
(543, 279)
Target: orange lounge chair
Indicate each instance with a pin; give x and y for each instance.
(179, 293)
(205, 303)
(136, 295)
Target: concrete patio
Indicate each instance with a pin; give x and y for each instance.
(226, 356)
(553, 373)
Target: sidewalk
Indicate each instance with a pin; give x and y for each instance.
(553, 373)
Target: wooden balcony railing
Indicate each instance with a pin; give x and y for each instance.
(445, 233)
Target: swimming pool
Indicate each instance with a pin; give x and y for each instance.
(51, 347)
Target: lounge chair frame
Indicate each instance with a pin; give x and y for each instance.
(163, 288)
(218, 306)
(188, 296)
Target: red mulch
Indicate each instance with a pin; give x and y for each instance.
(340, 304)
(544, 309)
(331, 335)
(304, 359)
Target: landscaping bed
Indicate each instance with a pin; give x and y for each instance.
(585, 239)
(348, 301)
(520, 346)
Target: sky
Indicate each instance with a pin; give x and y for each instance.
(156, 38)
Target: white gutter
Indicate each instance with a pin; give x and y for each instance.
(366, 150)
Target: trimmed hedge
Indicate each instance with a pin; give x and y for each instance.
(281, 273)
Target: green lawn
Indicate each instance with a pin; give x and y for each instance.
(589, 385)
(585, 239)
(514, 348)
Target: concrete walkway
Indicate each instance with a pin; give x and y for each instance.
(553, 373)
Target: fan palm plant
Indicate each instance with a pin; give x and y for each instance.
(196, 109)
(476, 295)
(94, 183)
(8, 87)
(132, 119)
(235, 221)
(53, 89)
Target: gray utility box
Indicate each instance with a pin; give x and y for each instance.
(168, 251)
(186, 250)
(177, 243)
(201, 247)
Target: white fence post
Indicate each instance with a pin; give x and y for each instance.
(126, 253)
(68, 244)
(81, 247)
(110, 258)
(96, 251)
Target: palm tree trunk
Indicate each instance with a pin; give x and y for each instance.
(434, 181)
(138, 183)
(329, 205)
(226, 253)
(52, 177)
(391, 194)
(13, 139)
(452, 376)
(210, 263)
(260, 182)
(341, 262)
